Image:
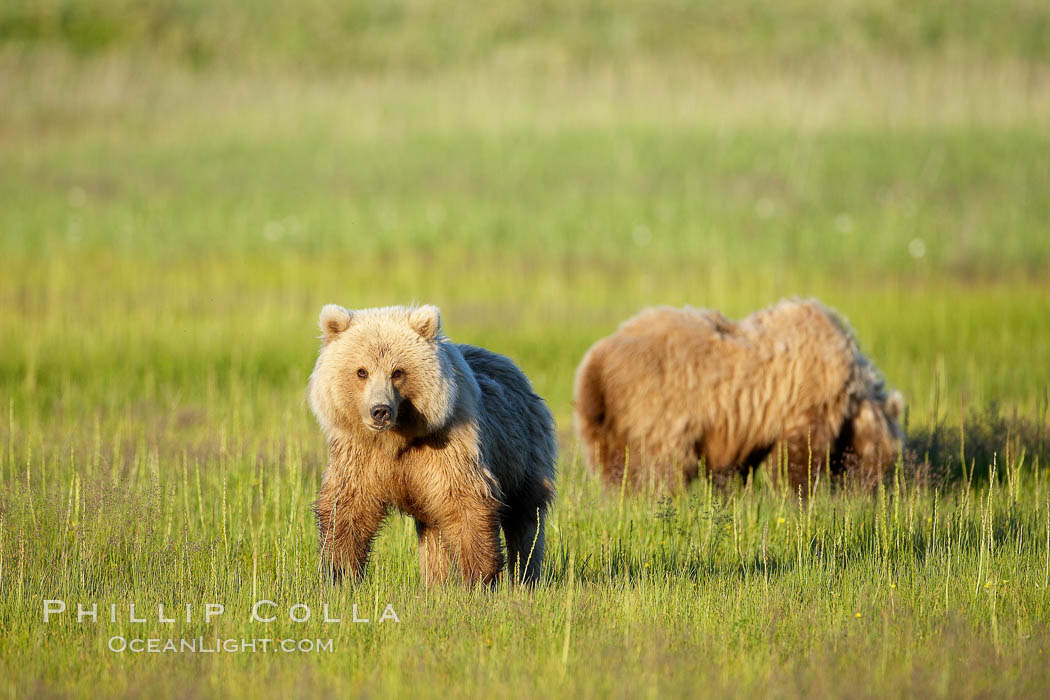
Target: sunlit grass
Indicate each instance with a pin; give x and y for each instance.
(730, 588)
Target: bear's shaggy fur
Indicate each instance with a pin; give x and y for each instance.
(452, 435)
(676, 388)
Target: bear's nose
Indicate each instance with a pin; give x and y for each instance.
(381, 413)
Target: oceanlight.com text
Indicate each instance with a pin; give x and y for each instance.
(217, 645)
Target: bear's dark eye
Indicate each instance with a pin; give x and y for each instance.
(362, 373)
(397, 374)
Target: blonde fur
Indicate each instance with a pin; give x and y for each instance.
(677, 389)
(465, 446)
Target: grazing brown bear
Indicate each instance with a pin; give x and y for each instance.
(676, 388)
(452, 435)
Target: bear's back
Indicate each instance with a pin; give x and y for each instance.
(697, 366)
(496, 368)
(512, 415)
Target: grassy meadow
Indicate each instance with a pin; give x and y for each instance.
(183, 185)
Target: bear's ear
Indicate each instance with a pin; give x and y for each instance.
(334, 320)
(894, 405)
(426, 320)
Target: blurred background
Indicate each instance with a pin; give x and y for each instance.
(185, 183)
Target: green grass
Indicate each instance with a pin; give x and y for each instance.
(185, 184)
(434, 34)
(906, 590)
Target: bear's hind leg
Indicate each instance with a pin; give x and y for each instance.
(525, 546)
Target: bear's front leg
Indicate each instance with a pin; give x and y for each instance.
(434, 554)
(474, 530)
(348, 521)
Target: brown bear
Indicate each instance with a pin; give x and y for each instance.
(452, 435)
(674, 389)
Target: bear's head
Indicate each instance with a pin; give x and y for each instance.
(383, 369)
(876, 432)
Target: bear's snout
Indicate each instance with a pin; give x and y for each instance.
(379, 404)
(381, 414)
